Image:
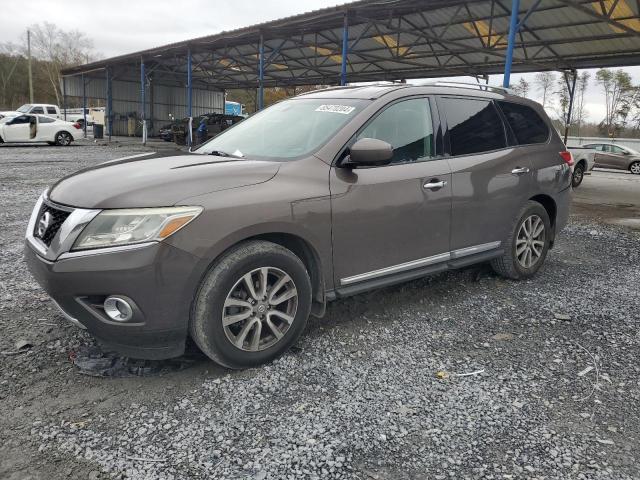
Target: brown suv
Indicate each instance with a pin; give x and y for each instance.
(318, 197)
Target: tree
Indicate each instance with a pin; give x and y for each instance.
(618, 96)
(521, 88)
(545, 82)
(10, 59)
(58, 49)
(579, 111)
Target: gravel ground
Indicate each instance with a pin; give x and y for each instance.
(554, 389)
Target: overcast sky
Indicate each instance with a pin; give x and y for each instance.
(124, 26)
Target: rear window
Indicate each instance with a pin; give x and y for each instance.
(474, 126)
(526, 124)
(43, 119)
(51, 110)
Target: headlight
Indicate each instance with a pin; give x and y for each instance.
(111, 228)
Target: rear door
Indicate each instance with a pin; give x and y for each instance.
(618, 157)
(393, 219)
(490, 179)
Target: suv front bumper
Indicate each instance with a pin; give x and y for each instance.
(161, 280)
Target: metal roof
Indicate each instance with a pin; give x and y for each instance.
(399, 39)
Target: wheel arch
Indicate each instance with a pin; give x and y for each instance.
(550, 206)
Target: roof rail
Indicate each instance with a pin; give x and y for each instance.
(470, 85)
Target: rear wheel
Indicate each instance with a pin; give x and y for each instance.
(578, 175)
(635, 168)
(527, 245)
(63, 139)
(252, 305)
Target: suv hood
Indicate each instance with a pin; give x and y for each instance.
(157, 180)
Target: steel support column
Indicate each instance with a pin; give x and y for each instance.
(84, 106)
(64, 97)
(513, 27)
(261, 75)
(571, 87)
(143, 102)
(345, 49)
(109, 104)
(189, 136)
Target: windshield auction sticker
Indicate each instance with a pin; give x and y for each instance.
(343, 109)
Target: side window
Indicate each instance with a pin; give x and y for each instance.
(407, 126)
(43, 119)
(474, 126)
(616, 149)
(20, 120)
(525, 122)
(607, 148)
(51, 110)
(36, 110)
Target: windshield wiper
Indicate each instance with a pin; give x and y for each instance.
(220, 153)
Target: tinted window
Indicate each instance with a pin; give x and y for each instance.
(43, 119)
(525, 122)
(20, 119)
(51, 110)
(594, 147)
(474, 126)
(407, 127)
(37, 110)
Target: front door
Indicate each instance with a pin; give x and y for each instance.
(17, 129)
(392, 219)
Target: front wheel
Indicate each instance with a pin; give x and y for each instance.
(63, 139)
(252, 305)
(578, 175)
(527, 245)
(635, 168)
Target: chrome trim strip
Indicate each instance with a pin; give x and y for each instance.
(463, 252)
(105, 250)
(69, 317)
(396, 268)
(422, 262)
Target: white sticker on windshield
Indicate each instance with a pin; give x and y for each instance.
(343, 109)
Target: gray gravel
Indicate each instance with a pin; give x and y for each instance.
(361, 397)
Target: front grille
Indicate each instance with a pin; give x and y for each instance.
(56, 219)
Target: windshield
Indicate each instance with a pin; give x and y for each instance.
(286, 130)
(24, 108)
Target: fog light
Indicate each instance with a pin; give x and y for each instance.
(118, 309)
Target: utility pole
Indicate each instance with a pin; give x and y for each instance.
(29, 66)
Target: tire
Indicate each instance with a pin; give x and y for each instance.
(224, 294)
(63, 139)
(635, 168)
(578, 175)
(511, 264)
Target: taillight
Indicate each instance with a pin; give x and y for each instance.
(567, 157)
(77, 125)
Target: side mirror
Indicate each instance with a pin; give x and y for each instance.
(369, 152)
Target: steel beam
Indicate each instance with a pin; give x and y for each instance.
(261, 74)
(109, 104)
(143, 102)
(84, 107)
(513, 26)
(189, 135)
(345, 49)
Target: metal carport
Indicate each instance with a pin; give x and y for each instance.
(372, 40)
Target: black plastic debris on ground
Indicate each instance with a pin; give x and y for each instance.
(91, 360)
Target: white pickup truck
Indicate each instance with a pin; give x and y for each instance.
(74, 115)
(583, 163)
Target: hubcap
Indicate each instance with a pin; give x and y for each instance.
(635, 168)
(530, 241)
(259, 309)
(577, 174)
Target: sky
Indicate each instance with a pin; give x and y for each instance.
(123, 26)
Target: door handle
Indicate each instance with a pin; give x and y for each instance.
(520, 170)
(434, 184)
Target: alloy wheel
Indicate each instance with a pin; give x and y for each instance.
(530, 241)
(577, 176)
(259, 309)
(63, 139)
(635, 168)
